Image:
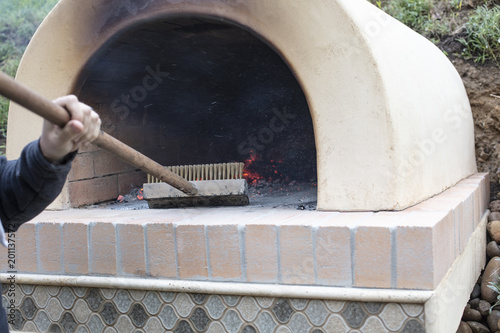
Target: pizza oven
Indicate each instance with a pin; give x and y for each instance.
(373, 120)
(367, 212)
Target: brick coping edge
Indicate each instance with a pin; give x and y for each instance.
(225, 288)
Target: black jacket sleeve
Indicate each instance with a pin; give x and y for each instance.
(28, 185)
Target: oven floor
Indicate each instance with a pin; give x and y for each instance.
(294, 195)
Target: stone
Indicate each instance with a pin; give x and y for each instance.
(492, 249)
(484, 308)
(200, 319)
(476, 291)
(494, 216)
(138, 315)
(493, 228)
(464, 328)
(478, 327)
(474, 303)
(491, 274)
(494, 206)
(492, 320)
(471, 314)
(283, 311)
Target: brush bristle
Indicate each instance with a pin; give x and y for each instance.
(218, 171)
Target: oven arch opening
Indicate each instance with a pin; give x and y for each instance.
(198, 90)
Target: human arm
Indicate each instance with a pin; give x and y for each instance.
(29, 184)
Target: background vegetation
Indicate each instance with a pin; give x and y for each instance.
(475, 24)
(20, 19)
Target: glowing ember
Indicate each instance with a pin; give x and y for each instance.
(135, 194)
(250, 175)
(140, 194)
(257, 170)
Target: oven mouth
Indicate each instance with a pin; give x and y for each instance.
(191, 91)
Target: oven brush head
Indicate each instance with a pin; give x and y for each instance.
(217, 185)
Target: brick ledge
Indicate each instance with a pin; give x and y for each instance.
(223, 288)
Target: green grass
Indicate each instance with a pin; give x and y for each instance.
(418, 15)
(436, 19)
(20, 19)
(483, 35)
(413, 13)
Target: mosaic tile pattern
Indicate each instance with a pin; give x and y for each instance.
(92, 310)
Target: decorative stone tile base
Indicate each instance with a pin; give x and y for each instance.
(95, 310)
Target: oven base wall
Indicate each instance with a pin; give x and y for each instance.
(414, 248)
(84, 304)
(429, 255)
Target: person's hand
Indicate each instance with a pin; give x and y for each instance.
(83, 128)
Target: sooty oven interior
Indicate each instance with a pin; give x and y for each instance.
(196, 91)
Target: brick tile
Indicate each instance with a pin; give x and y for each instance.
(75, 248)
(372, 257)
(485, 195)
(486, 191)
(131, 180)
(278, 217)
(458, 192)
(414, 263)
(102, 248)
(261, 253)
(130, 248)
(26, 253)
(349, 219)
(423, 219)
(458, 220)
(106, 164)
(191, 251)
(384, 219)
(296, 253)
(467, 223)
(87, 192)
(475, 195)
(443, 202)
(161, 250)
(471, 181)
(82, 167)
(443, 246)
(333, 256)
(478, 212)
(49, 247)
(224, 252)
(480, 175)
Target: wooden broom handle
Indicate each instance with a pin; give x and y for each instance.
(58, 115)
